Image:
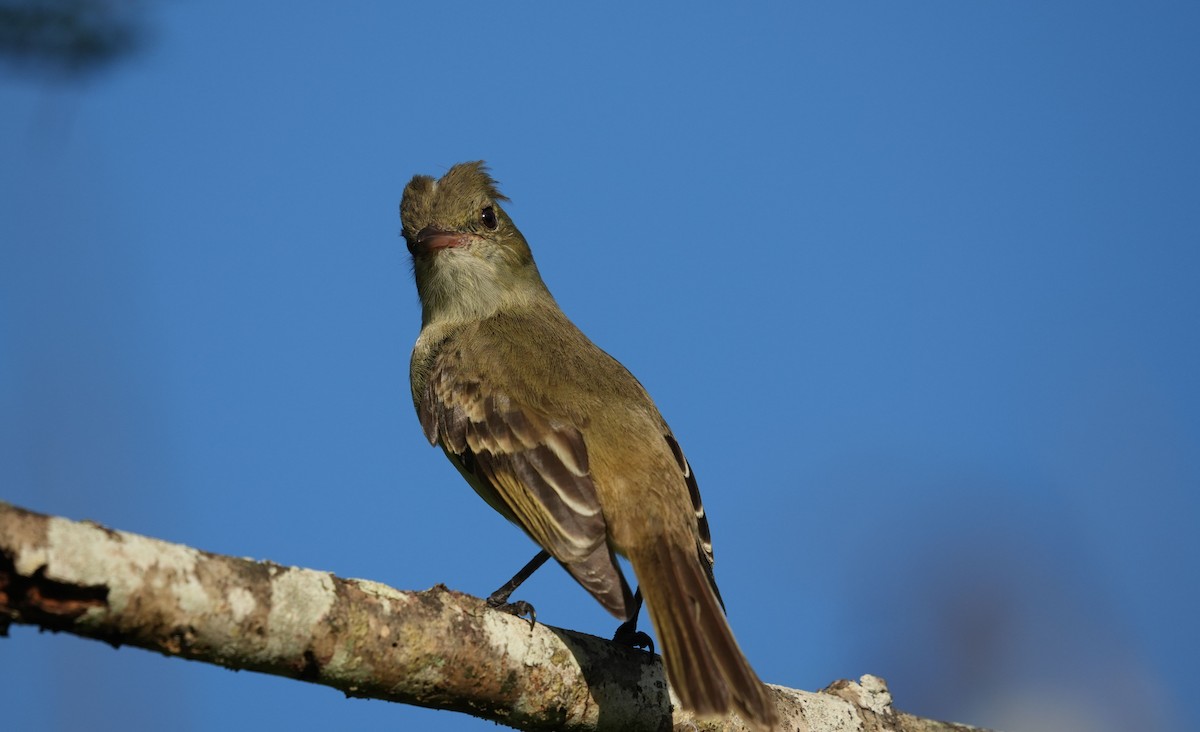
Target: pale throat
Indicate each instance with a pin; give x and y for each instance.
(459, 286)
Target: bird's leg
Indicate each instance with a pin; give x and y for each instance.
(628, 634)
(520, 608)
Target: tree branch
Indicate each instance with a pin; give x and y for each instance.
(437, 648)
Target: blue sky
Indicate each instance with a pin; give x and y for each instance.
(917, 286)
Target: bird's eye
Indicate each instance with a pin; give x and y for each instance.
(488, 217)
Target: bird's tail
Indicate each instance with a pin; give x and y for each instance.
(704, 665)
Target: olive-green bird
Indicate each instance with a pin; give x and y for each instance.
(561, 439)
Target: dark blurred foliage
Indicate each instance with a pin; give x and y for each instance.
(68, 38)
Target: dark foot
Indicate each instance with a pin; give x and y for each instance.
(520, 608)
(499, 599)
(627, 634)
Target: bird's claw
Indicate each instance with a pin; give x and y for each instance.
(520, 608)
(628, 635)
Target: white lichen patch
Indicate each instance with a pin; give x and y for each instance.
(875, 695)
(383, 592)
(84, 554)
(28, 559)
(300, 598)
(828, 712)
(241, 603)
(509, 635)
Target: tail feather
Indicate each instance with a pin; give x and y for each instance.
(704, 665)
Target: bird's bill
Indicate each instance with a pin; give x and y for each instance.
(430, 240)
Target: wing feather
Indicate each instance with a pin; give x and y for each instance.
(532, 468)
(704, 545)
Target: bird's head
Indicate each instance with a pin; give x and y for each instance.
(469, 259)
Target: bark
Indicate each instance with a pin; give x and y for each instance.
(434, 648)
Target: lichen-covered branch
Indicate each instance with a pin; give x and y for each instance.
(437, 648)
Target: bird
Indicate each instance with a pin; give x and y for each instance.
(561, 439)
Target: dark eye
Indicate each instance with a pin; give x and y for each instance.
(488, 217)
